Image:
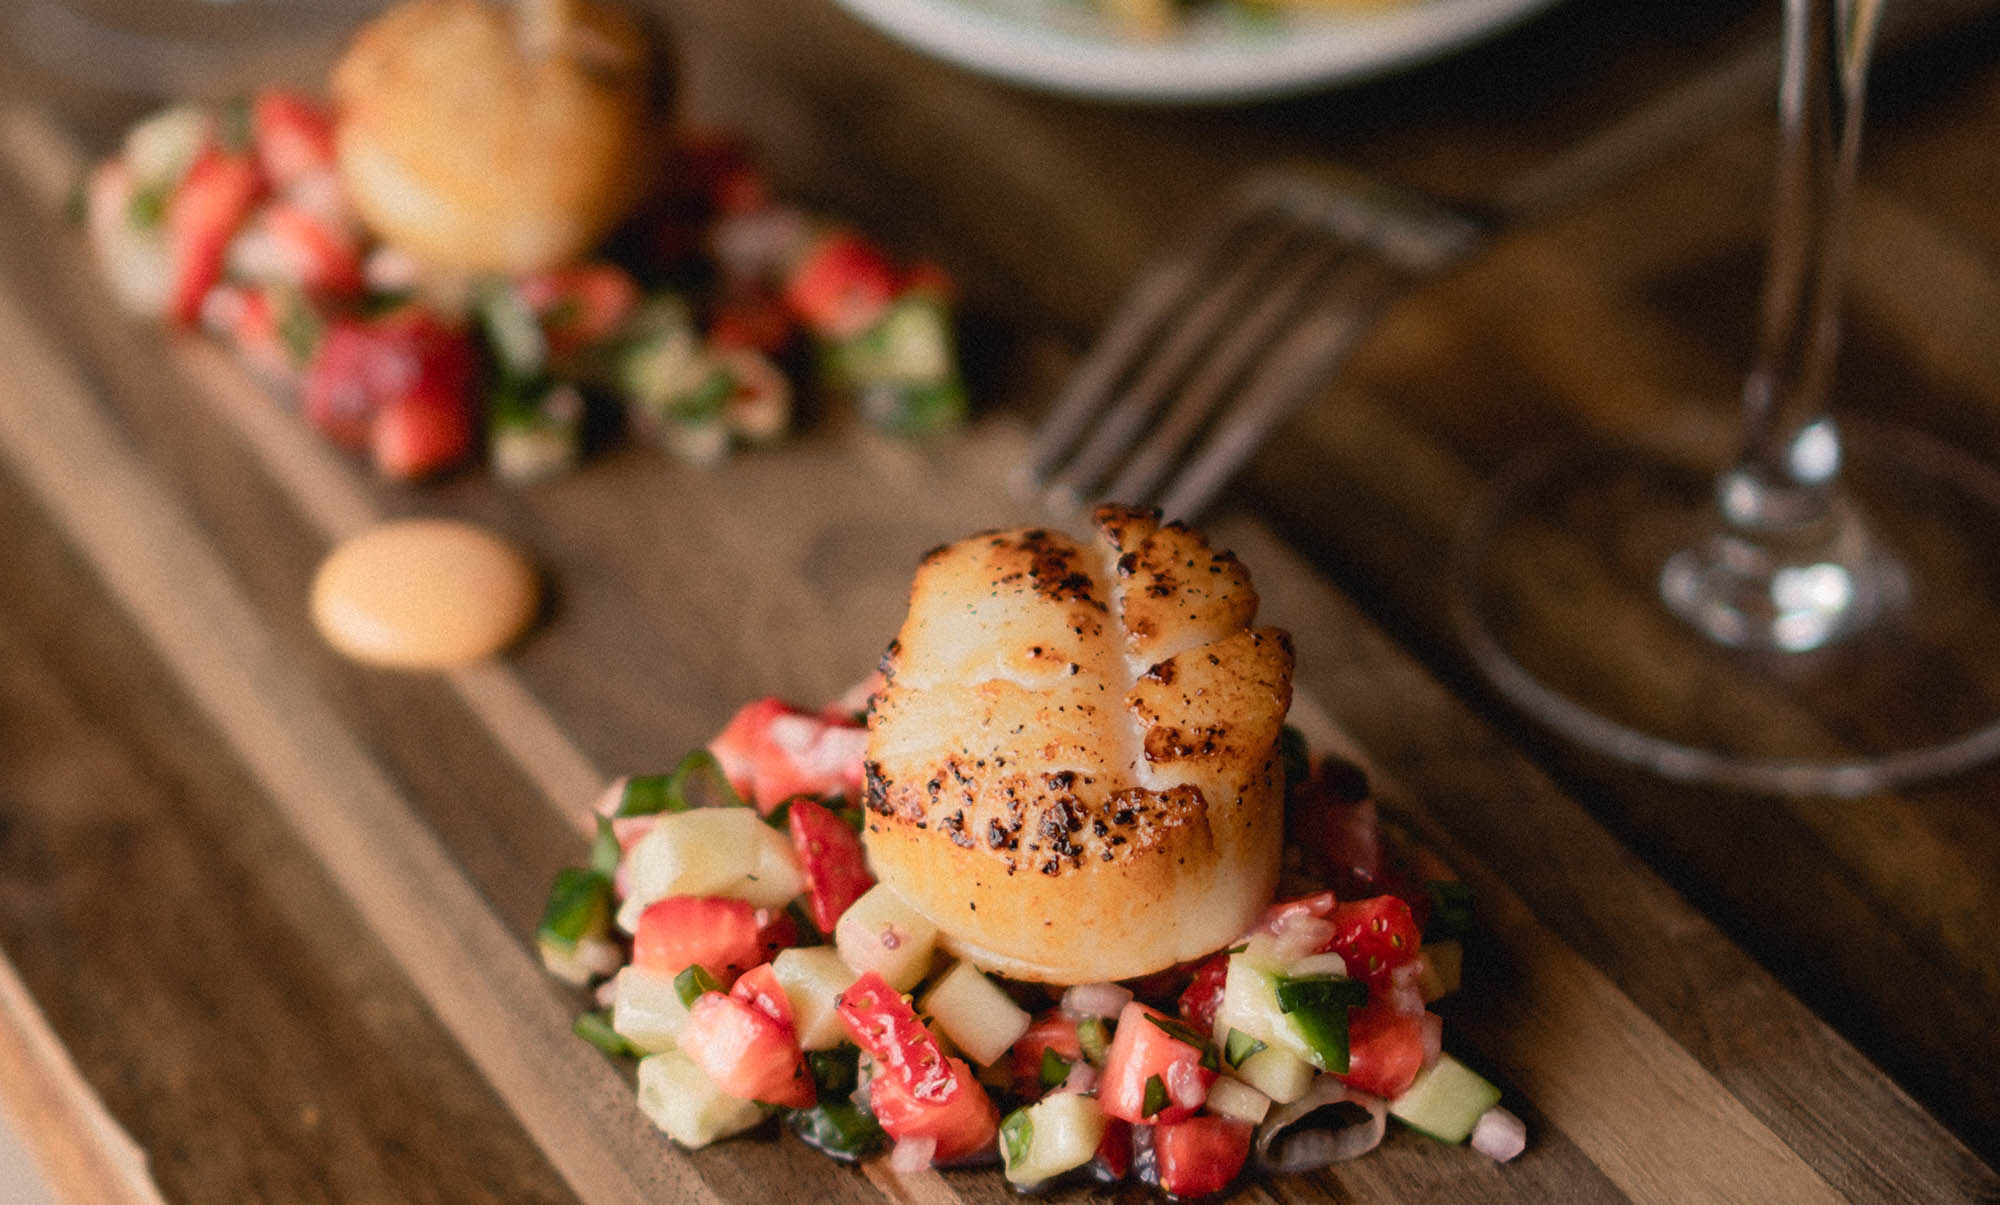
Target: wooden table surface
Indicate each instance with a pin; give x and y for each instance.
(269, 914)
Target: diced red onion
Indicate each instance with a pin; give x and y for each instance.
(1433, 1038)
(912, 1155)
(1184, 1086)
(1082, 1078)
(1402, 992)
(1096, 1000)
(607, 992)
(1499, 1135)
(1282, 1145)
(1301, 935)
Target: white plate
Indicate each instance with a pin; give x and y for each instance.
(1221, 54)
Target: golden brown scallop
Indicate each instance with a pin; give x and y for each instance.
(1073, 767)
(480, 135)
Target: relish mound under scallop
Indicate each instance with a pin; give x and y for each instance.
(1073, 765)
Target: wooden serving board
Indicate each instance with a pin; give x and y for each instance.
(419, 817)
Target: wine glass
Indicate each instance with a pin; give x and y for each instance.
(1838, 578)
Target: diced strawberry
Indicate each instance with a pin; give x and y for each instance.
(288, 244)
(1203, 996)
(772, 751)
(957, 1114)
(725, 937)
(343, 383)
(746, 1052)
(1151, 1072)
(759, 985)
(580, 304)
(421, 431)
(832, 860)
(248, 318)
(1200, 1155)
(202, 216)
(1375, 936)
(399, 385)
(842, 286)
(293, 136)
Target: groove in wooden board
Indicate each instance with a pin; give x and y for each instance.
(474, 974)
(75, 1142)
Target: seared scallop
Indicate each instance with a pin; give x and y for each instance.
(1073, 766)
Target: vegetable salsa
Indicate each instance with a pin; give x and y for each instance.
(744, 956)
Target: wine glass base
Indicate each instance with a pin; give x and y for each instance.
(1561, 579)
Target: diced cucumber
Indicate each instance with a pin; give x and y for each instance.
(975, 1013)
(680, 1099)
(1306, 1018)
(646, 1009)
(880, 932)
(813, 978)
(1316, 1008)
(1234, 1098)
(720, 851)
(1446, 1100)
(839, 1128)
(161, 147)
(1050, 1137)
(575, 933)
(1277, 1073)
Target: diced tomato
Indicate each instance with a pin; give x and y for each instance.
(832, 860)
(842, 286)
(203, 214)
(929, 278)
(772, 751)
(725, 937)
(581, 304)
(1336, 832)
(1201, 1155)
(759, 985)
(1375, 936)
(1053, 1030)
(956, 1112)
(1143, 1052)
(293, 136)
(1385, 1049)
(1204, 992)
(747, 1053)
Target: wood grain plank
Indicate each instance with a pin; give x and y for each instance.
(473, 972)
(74, 1140)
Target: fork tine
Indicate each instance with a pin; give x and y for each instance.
(1209, 386)
(1303, 362)
(1179, 346)
(1155, 296)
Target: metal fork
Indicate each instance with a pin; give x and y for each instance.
(1222, 339)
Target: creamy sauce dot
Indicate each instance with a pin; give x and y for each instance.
(423, 594)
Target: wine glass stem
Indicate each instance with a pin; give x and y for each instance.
(1788, 565)
(1783, 480)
